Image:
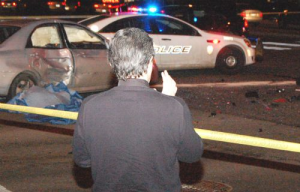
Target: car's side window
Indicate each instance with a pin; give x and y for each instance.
(115, 26)
(142, 23)
(6, 32)
(81, 38)
(173, 27)
(46, 37)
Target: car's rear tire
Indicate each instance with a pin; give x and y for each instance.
(230, 61)
(21, 83)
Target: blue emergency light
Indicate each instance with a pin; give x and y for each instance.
(195, 19)
(152, 9)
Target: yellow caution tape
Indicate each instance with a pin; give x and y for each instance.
(205, 134)
(40, 111)
(248, 140)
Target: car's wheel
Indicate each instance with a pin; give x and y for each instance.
(21, 83)
(230, 61)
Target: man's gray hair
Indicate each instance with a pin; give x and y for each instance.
(129, 52)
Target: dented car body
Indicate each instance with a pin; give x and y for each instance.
(51, 51)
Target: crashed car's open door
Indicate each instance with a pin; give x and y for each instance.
(89, 51)
(47, 55)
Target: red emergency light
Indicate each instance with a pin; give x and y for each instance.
(133, 9)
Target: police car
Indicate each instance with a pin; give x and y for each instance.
(178, 44)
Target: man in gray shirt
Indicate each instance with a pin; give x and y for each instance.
(133, 136)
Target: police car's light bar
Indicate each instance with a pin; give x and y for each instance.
(151, 9)
(135, 9)
(214, 41)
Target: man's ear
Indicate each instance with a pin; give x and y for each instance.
(150, 64)
(149, 69)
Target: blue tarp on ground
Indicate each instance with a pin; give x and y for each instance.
(58, 97)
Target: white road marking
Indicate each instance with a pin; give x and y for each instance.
(273, 48)
(282, 44)
(3, 189)
(276, 48)
(233, 84)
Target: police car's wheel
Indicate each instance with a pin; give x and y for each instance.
(230, 61)
(21, 83)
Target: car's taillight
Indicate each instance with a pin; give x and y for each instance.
(50, 3)
(246, 24)
(63, 3)
(2, 3)
(243, 14)
(96, 6)
(78, 3)
(261, 15)
(248, 43)
(214, 41)
(14, 4)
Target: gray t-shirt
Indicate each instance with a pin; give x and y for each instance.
(133, 137)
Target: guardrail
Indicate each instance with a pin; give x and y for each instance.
(205, 134)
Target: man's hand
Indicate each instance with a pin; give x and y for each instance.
(169, 85)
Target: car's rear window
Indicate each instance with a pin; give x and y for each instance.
(91, 20)
(6, 32)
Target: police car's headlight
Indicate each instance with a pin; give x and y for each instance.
(248, 43)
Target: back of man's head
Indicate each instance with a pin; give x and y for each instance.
(130, 52)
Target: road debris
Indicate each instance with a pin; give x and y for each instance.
(251, 94)
(280, 100)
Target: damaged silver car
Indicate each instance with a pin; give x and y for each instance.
(39, 52)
